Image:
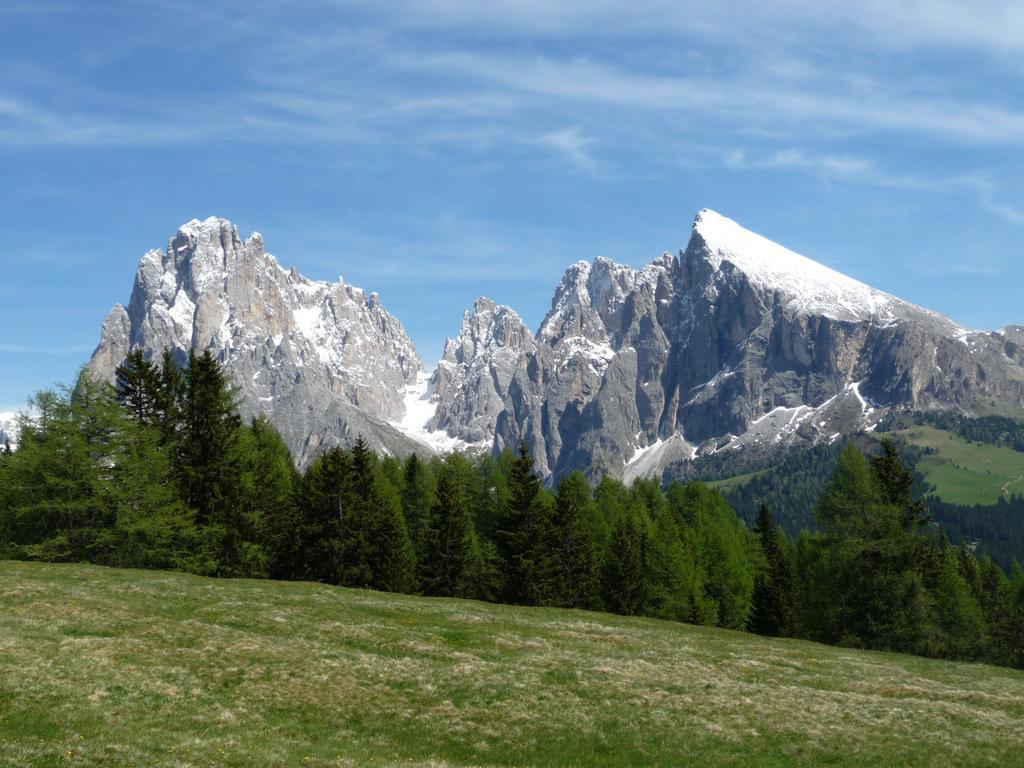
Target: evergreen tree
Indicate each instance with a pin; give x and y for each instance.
(206, 453)
(449, 557)
(269, 517)
(417, 497)
(376, 548)
(676, 587)
(970, 571)
(208, 462)
(524, 535)
(325, 493)
(626, 582)
(138, 388)
(878, 571)
(773, 601)
(170, 398)
(576, 567)
(894, 482)
(356, 510)
(959, 627)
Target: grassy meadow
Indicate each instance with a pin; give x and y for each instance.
(133, 668)
(964, 472)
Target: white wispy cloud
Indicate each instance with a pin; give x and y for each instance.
(572, 144)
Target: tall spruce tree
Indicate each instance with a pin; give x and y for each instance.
(208, 462)
(417, 498)
(375, 542)
(774, 597)
(138, 388)
(576, 566)
(876, 560)
(449, 555)
(626, 581)
(170, 398)
(325, 494)
(524, 536)
(267, 496)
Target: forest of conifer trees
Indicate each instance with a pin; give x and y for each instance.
(160, 471)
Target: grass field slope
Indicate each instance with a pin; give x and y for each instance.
(965, 472)
(121, 668)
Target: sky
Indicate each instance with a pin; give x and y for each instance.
(437, 150)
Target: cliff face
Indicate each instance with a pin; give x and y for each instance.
(736, 343)
(324, 361)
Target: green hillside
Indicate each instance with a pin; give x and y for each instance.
(965, 472)
(124, 667)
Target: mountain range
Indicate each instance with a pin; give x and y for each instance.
(734, 343)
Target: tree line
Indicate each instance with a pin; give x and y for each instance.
(160, 471)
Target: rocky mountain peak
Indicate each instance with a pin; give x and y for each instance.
(298, 349)
(489, 327)
(737, 343)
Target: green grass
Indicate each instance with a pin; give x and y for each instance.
(122, 668)
(964, 472)
(728, 483)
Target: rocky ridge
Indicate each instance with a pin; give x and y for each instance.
(734, 343)
(325, 361)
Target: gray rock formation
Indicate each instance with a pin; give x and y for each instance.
(324, 361)
(737, 343)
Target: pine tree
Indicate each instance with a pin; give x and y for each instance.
(138, 388)
(676, 585)
(394, 566)
(895, 482)
(170, 398)
(626, 582)
(880, 570)
(375, 543)
(208, 462)
(576, 564)
(969, 569)
(449, 552)
(356, 512)
(210, 432)
(325, 494)
(772, 611)
(417, 497)
(524, 535)
(269, 514)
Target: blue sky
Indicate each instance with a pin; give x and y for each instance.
(436, 150)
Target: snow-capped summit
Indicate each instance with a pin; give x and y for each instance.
(810, 287)
(736, 344)
(324, 360)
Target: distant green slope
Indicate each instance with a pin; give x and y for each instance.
(119, 667)
(965, 472)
